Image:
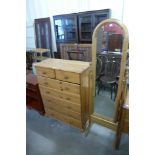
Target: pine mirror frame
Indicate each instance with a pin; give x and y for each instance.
(103, 120)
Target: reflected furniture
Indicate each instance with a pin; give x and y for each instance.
(109, 76)
(65, 88)
(33, 97)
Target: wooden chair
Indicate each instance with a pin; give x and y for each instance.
(110, 76)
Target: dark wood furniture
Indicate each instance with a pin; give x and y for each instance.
(123, 123)
(43, 34)
(88, 21)
(66, 30)
(83, 52)
(77, 27)
(33, 97)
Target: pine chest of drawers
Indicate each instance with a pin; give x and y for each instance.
(65, 90)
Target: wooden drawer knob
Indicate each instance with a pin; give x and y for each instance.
(45, 83)
(68, 98)
(47, 92)
(66, 77)
(69, 107)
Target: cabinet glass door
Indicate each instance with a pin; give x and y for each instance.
(85, 28)
(98, 18)
(70, 29)
(59, 28)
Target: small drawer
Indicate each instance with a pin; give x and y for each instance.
(46, 72)
(71, 88)
(68, 76)
(52, 83)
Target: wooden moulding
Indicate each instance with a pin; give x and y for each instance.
(122, 80)
(84, 47)
(104, 122)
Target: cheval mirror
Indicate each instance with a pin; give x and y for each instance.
(109, 57)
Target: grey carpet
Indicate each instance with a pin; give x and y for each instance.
(46, 136)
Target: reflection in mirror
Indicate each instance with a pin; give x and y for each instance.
(108, 60)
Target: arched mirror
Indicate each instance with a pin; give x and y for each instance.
(109, 53)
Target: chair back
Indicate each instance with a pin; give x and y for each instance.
(98, 66)
(104, 60)
(112, 68)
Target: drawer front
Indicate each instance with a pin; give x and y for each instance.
(68, 76)
(46, 72)
(63, 110)
(53, 101)
(60, 85)
(64, 118)
(71, 88)
(52, 83)
(60, 94)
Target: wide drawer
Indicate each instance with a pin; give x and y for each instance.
(68, 76)
(46, 72)
(57, 101)
(60, 85)
(64, 118)
(62, 109)
(60, 94)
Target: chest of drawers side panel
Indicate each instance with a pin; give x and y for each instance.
(85, 96)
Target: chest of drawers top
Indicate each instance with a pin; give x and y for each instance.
(64, 65)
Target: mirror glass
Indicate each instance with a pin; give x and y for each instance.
(108, 61)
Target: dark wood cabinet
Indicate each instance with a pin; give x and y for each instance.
(77, 27)
(88, 21)
(43, 33)
(85, 27)
(65, 29)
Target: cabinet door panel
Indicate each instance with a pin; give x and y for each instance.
(43, 33)
(85, 27)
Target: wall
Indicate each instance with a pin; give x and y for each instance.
(48, 8)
